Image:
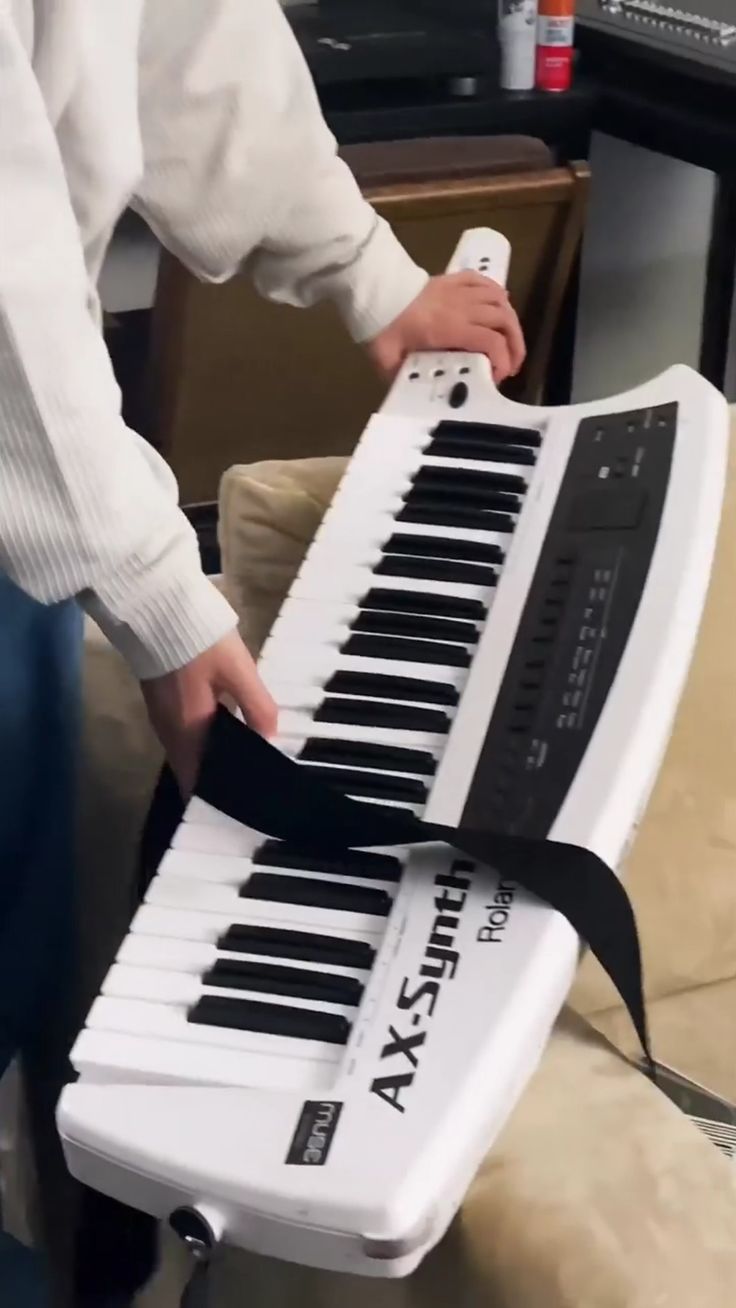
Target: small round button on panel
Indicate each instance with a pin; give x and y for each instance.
(458, 395)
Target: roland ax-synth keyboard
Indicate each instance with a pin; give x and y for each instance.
(493, 625)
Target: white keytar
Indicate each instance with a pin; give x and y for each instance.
(353, 1152)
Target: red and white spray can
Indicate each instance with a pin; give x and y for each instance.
(555, 42)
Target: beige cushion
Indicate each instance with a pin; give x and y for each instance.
(269, 513)
(599, 1194)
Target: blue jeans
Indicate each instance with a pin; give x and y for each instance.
(40, 678)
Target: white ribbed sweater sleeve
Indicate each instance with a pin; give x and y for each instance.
(242, 171)
(86, 509)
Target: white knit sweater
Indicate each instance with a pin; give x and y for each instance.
(201, 115)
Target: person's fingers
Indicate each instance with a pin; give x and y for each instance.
(504, 320)
(386, 354)
(484, 340)
(235, 675)
(500, 362)
(248, 692)
(486, 286)
(180, 720)
(181, 705)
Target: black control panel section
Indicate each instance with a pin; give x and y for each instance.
(579, 612)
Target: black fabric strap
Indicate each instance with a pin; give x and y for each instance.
(251, 781)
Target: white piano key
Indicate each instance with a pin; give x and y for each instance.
(169, 954)
(315, 666)
(313, 631)
(295, 681)
(374, 477)
(359, 548)
(524, 470)
(151, 984)
(309, 627)
(163, 952)
(387, 432)
(371, 467)
(379, 485)
(198, 810)
(293, 745)
(333, 612)
(294, 695)
(204, 897)
(290, 696)
(350, 583)
(391, 451)
(219, 870)
(388, 774)
(410, 460)
(282, 669)
(386, 502)
(171, 891)
(190, 924)
(416, 809)
(366, 549)
(162, 986)
(205, 838)
(297, 724)
(116, 1057)
(377, 528)
(310, 617)
(169, 1022)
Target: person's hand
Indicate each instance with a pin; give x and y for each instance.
(458, 311)
(181, 705)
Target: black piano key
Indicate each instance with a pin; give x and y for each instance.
(373, 713)
(371, 785)
(441, 448)
(275, 979)
(417, 601)
(314, 892)
(461, 497)
(278, 853)
(374, 685)
(468, 574)
(270, 1019)
(407, 651)
(443, 547)
(453, 428)
(280, 942)
(416, 624)
(466, 479)
(366, 754)
(433, 513)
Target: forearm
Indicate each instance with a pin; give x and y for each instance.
(241, 169)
